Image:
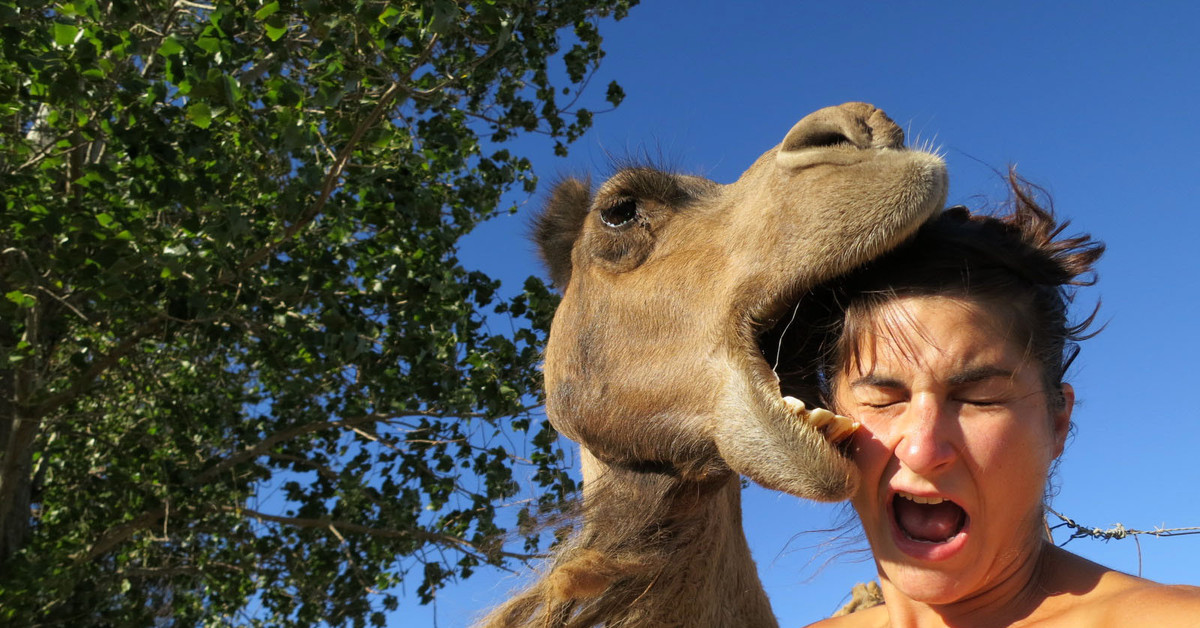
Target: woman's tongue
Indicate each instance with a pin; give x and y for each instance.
(933, 523)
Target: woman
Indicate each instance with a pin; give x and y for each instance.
(951, 354)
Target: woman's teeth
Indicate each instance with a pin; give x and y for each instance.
(920, 500)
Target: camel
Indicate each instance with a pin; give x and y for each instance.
(654, 363)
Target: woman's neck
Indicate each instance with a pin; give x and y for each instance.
(1019, 593)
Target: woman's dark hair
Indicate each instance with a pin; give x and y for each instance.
(1019, 264)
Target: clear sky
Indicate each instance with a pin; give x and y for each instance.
(1099, 106)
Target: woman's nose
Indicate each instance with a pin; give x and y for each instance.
(927, 428)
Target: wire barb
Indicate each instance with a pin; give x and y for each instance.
(1118, 531)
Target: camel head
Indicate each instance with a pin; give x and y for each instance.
(670, 283)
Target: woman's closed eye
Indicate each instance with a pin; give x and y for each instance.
(875, 392)
(980, 402)
(878, 398)
(994, 391)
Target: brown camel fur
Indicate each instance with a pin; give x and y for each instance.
(654, 365)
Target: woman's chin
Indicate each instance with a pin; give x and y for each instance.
(924, 585)
(927, 572)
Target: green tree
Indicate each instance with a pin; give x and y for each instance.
(242, 366)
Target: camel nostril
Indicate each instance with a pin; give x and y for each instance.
(831, 138)
(825, 137)
(826, 132)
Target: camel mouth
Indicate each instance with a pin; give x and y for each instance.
(788, 352)
(792, 342)
(785, 359)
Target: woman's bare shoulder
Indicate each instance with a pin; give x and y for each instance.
(1094, 595)
(1147, 603)
(1121, 600)
(866, 618)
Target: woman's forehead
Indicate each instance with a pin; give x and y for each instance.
(944, 331)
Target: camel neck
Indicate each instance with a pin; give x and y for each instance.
(687, 541)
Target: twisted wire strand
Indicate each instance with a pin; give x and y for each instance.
(1117, 532)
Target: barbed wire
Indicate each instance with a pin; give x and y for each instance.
(1118, 531)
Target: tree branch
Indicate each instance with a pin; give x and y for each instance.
(82, 383)
(333, 178)
(115, 536)
(420, 535)
(261, 447)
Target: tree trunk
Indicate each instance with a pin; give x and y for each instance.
(17, 435)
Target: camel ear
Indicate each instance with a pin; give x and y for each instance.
(558, 226)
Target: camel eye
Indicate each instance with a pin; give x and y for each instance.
(620, 213)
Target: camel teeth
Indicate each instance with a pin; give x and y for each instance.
(820, 417)
(841, 428)
(836, 426)
(794, 405)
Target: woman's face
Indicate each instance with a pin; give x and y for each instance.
(956, 442)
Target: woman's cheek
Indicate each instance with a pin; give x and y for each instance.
(867, 447)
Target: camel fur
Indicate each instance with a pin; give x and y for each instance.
(654, 366)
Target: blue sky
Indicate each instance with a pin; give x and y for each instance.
(1098, 106)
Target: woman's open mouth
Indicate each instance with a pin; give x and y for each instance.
(930, 528)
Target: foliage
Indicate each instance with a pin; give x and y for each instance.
(245, 377)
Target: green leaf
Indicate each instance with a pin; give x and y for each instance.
(266, 11)
(170, 47)
(276, 28)
(445, 14)
(65, 34)
(200, 114)
(615, 94)
(390, 16)
(230, 90)
(211, 45)
(20, 298)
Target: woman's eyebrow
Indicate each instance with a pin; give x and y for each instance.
(967, 376)
(876, 381)
(978, 374)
